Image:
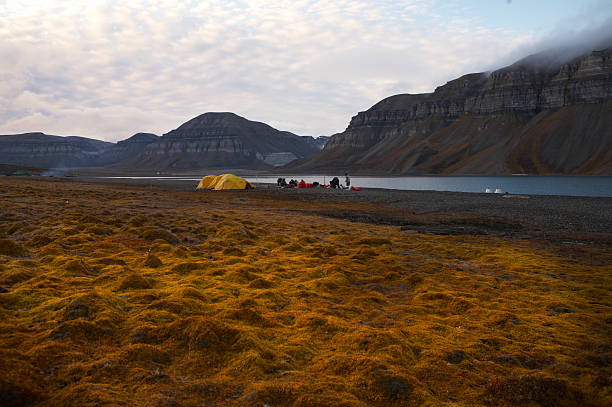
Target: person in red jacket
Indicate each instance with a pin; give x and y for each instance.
(301, 184)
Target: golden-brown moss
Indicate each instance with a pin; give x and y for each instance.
(310, 311)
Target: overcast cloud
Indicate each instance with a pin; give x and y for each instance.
(108, 69)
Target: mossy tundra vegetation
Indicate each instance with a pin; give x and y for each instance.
(138, 296)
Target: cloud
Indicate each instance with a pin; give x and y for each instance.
(572, 37)
(108, 69)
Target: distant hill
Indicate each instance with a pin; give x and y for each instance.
(210, 140)
(541, 115)
(43, 150)
(223, 140)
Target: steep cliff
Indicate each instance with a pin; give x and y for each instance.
(541, 115)
(223, 140)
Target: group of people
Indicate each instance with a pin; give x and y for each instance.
(334, 183)
(281, 182)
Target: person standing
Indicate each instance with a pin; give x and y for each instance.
(348, 180)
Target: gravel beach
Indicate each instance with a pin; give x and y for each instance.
(522, 214)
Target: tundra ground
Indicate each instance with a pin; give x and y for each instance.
(132, 295)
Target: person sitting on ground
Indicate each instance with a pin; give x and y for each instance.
(283, 182)
(334, 183)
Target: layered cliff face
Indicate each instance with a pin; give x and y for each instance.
(536, 116)
(124, 151)
(42, 150)
(207, 141)
(223, 140)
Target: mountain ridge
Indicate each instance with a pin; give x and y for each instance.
(210, 140)
(223, 139)
(518, 119)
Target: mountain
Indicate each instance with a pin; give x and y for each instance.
(223, 140)
(541, 115)
(318, 142)
(207, 141)
(43, 150)
(124, 151)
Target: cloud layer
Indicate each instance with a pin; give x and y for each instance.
(108, 69)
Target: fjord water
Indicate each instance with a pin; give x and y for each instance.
(528, 185)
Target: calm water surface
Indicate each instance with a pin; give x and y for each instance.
(532, 185)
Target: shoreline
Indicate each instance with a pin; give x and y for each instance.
(510, 214)
(507, 183)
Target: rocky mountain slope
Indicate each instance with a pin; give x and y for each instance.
(540, 115)
(318, 142)
(223, 140)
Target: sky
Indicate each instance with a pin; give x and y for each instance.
(108, 69)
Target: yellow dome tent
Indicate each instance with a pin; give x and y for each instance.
(224, 182)
(207, 182)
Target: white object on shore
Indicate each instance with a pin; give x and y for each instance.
(498, 191)
(488, 190)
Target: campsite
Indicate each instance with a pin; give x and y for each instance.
(137, 295)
